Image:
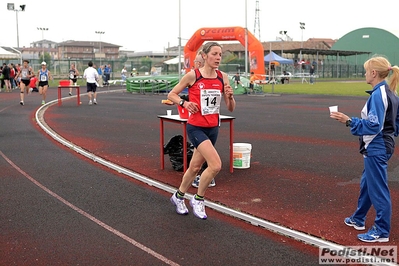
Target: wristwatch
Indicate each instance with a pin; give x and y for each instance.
(348, 122)
(181, 103)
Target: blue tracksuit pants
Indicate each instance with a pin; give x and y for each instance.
(374, 191)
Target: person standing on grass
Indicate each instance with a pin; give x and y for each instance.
(73, 77)
(252, 79)
(124, 73)
(237, 80)
(377, 127)
(44, 76)
(207, 86)
(91, 76)
(311, 73)
(25, 73)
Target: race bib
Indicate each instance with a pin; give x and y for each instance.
(43, 78)
(210, 101)
(71, 75)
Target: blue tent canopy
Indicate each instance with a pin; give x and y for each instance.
(273, 57)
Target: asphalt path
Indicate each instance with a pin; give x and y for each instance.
(58, 208)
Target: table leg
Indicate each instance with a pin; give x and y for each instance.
(59, 96)
(231, 145)
(78, 95)
(161, 141)
(185, 147)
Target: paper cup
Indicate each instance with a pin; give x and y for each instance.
(333, 108)
(169, 112)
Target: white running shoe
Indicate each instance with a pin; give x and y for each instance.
(197, 179)
(95, 101)
(180, 205)
(198, 208)
(90, 102)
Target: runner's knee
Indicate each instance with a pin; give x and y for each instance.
(215, 167)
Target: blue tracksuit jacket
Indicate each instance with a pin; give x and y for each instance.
(379, 123)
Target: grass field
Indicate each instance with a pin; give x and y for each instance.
(350, 88)
(353, 88)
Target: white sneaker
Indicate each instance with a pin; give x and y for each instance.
(90, 102)
(197, 179)
(180, 205)
(70, 93)
(198, 208)
(95, 101)
(21, 103)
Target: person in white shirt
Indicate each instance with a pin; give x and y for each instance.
(91, 76)
(123, 73)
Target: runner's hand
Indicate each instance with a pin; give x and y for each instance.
(191, 107)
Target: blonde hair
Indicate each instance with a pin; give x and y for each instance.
(382, 66)
(199, 56)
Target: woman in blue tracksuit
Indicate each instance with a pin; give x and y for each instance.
(376, 129)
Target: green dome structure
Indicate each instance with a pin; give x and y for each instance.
(374, 40)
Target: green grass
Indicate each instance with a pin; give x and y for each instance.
(353, 88)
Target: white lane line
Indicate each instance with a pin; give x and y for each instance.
(92, 218)
(5, 108)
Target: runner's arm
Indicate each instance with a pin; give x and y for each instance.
(186, 81)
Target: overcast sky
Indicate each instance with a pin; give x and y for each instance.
(152, 25)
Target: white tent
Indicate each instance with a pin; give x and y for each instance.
(4, 54)
(174, 61)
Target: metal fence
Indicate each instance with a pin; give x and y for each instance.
(60, 68)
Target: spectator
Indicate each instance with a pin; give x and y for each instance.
(13, 72)
(123, 73)
(154, 71)
(17, 79)
(107, 74)
(6, 77)
(252, 79)
(2, 78)
(285, 77)
(198, 61)
(32, 84)
(237, 80)
(100, 72)
(133, 73)
(377, 128)
(311, 72)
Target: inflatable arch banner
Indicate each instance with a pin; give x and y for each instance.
(255, 48)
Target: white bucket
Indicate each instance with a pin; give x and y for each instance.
(241, 155)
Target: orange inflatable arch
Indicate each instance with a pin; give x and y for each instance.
(255, 48)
